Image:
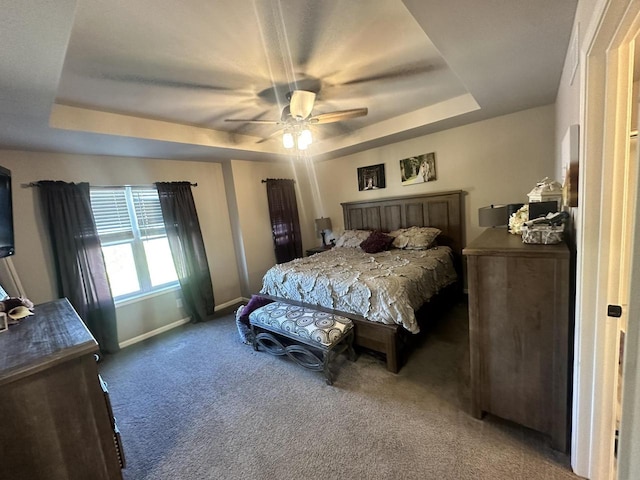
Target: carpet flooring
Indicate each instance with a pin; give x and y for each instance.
(196, 403)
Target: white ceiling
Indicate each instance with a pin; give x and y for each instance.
(157, 78)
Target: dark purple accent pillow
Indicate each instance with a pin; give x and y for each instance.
(377, 242)
(256, 302)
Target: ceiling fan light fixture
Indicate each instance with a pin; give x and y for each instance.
(297, 136)
(296, 119)
(287, 140)
(306, 136)
(302, 145)
(301, 103)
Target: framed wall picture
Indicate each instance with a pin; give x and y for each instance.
(418, 169)
(371, 177)
(570, 160)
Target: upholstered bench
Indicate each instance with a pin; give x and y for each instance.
(284, 329)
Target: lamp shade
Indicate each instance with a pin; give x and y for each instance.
(302, 144)
(323, 223)
(493, 216)
(306, 136)
(287, 140)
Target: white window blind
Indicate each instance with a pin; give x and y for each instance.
(114, 210)
(133, 238)
(111, 213)
(148, 212)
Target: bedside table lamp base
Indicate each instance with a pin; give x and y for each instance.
(322, 225)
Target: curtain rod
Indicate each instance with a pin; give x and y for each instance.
(37, 184)
(264, 180)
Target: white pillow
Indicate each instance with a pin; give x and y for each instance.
(415, 238)
(352, 238)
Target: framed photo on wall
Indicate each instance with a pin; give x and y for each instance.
(570, 186)
(371, 177)
(571, 160)
(418, 169)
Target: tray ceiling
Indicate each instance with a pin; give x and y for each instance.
(159, 77)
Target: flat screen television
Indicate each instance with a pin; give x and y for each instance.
(7, 246)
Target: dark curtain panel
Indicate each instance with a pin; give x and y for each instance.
(285, 224)
(80, 269)
(187, 248)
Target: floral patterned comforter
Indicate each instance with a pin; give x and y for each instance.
(383, 287)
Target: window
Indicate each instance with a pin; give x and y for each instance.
(134, 242)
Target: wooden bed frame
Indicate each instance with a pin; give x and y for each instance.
(443, 210)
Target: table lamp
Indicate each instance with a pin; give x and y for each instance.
(493, 216)
(497, 215)
(323, 224)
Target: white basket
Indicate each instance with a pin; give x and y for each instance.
(543, 234)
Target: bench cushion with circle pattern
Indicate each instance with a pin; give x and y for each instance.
(305, 323)
(284, 329)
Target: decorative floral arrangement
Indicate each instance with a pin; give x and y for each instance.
(16, 308)
(517, 219)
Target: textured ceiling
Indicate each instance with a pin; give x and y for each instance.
(159, 77)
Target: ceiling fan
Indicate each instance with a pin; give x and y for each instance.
(296, 118)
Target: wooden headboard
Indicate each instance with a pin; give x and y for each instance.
(443, 210)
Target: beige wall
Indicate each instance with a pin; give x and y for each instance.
(493, 161)
(33, 260)
(253, 213)
(568, 99)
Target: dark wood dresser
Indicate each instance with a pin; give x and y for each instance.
(56, 416)
(519, 332)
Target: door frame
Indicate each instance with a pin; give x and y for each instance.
(605, 113)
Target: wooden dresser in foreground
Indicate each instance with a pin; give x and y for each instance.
(56, 417)
(519, 332)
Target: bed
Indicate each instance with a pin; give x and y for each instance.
(385, 306)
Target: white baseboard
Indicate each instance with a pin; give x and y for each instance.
(155, 332)
(173, 325)
(229, 303)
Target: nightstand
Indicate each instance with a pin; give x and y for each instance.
(321, 248)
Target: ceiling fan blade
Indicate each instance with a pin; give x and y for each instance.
(272, 135)
(338, 115)
(160, 82)
(398, 73)
(286, 114)
(263, 122)
(301, 103)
